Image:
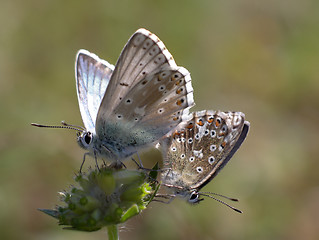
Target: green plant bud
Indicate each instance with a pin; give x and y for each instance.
(104, 197)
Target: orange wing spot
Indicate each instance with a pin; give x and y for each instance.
(179, 102)
(210, 120)
(176, 134)
(223, 144)
(178, 91)
(190, 126)
(178, 82)
(200, 122)
(175, 118)
(217, 123)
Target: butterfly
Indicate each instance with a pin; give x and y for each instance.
(198, 149)
(133, 104)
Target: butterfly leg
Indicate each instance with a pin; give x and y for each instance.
(140, 160)
(96, 164)
(84, 156)
(140, 165)
(147, 169)
(165, 196)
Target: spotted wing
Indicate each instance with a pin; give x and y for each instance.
(148, 94)
(197, 152)
(92, 78)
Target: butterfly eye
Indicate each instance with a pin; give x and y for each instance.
(85, 139)
(88, 138)
(193, 198)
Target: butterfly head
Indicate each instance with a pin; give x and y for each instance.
(194, 197)
(85, 139)
(191, 196)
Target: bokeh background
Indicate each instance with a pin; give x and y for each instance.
(258, 57)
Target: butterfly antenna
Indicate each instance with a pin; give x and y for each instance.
(55, 126)
(70, 125)
(219, 195)
(222, 202)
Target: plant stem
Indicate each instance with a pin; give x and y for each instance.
(112, 232)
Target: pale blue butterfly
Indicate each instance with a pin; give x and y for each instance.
(132, 105)
(199, 148)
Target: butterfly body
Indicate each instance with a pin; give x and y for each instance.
(199, 149)
(132, 105)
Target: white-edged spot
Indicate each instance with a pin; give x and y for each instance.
(213, 133)
(183, 156)
(173, 149)
(128, 101)
(160, 111)
(177, 75)
(190, 140)
(224, 129)
(212, 147)
(183, 139)
(211, 160)
(161, 88)
(197, 137)
(218, 122)
(191, 159)
(222, 146)
(180, 90)
(206, 132)
(210, 120)
(199, 169)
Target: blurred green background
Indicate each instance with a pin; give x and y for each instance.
(258, 57)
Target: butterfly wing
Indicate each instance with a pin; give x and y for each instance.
(196, 153)
(143, 54)
(92, 78)
(157, 104)
(148, 95)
